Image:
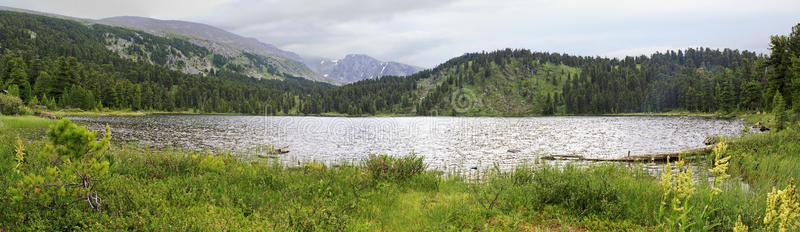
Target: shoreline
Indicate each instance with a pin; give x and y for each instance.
(97, 113)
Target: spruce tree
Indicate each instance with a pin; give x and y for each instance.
(779, 109)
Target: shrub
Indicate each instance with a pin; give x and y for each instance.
(389, 168)
(11, 105)
(77, 163)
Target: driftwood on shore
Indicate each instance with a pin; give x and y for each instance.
(282, 150)
(273, 152)
(660, 157)
(45, 115)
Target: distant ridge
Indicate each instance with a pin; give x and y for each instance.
(356, 67)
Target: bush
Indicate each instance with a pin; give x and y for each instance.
(77, 163)
(389, 168)
(11, 105)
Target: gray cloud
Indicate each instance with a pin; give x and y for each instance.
(332, 28)
(425, 33)
(242, 13)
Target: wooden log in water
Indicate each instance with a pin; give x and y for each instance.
(660, 157)
(563, 157)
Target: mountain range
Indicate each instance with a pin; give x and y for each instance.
(240, 50)
(356, 67)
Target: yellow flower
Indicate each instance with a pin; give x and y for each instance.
(679, 185)
(783, 209)
(19, 150)
(740, 227)
(720, 165)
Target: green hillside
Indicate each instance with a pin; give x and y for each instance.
(512, 86)
(520, 82)
(66, 64)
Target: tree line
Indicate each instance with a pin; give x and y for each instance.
(694, 79)
(65, 64)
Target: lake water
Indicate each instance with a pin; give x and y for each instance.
(446, 142)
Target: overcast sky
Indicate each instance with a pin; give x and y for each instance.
(428, 32)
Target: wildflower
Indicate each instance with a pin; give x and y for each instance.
(19, 149)
(678, 187)
(680, 184)
(783, 209)
(740, 227)
(720, 165)
(684, 183)
(666, 181)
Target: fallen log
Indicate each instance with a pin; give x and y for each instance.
(282, 150)
(653, 157)
(45, 115)
(563, 157)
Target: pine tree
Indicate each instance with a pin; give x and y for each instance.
(19, 77)
(43, 84)
(66, 74)
(779, 109)
(13, 90)
(794, 76)
(751, 95)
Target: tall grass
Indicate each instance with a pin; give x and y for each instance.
(30, 122)
(176, 189)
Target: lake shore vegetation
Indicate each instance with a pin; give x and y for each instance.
(141, 188)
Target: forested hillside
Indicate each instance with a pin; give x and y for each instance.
(521, 82)
(65, 64)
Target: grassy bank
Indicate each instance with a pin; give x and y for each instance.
(172, 189)
(123, 112)
(95, 113)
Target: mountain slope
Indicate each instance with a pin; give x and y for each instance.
(356, 67)
(218, 58)
(220, 42)
(66, 64)
(520, 82)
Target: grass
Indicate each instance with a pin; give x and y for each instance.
(175, 189)
(106, 112)
(24, 122)
(669, 113)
